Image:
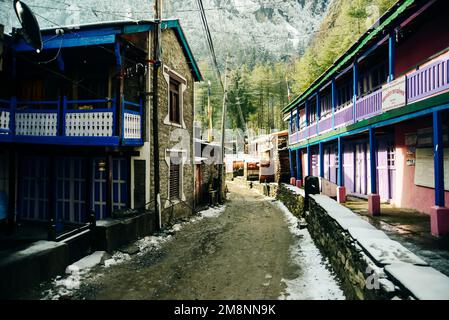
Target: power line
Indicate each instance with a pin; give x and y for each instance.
(210, 41)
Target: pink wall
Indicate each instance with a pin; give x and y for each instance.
(418, 46)
(407, 194)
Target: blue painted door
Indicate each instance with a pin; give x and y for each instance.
(119, 183)
(71, 190)
(99, 189)
(33, 188)
(120, 177)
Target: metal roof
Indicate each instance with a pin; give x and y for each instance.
(108, 29)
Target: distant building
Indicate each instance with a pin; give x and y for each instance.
(207, 157)
(375, 124)
(75, 125)
(268, 158)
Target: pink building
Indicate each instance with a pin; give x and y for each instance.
(386, 96)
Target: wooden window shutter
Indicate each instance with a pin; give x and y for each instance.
(175, 181)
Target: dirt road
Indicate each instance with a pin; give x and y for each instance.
(247, 252)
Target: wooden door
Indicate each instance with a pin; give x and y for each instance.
(348, 167)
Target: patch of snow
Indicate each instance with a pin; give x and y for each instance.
(364, 233)
(333, 208)
(425, 283)
(117, 258)
(155, 242)
(316, 281)
(213, 212)
(354, 222)
(88, 262)
(39, 246)
(295, 190)
(152, 243)
(387, 251)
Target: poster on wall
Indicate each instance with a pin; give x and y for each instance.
(424, 168)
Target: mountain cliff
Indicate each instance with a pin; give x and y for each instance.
(252, 30)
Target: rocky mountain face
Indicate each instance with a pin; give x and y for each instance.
(251, 30)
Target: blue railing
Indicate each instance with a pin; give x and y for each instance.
(5, 117)
(132, 122)
(87, 120)
(76, 122)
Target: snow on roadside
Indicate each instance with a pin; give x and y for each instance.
(213, 212)
(155, 242)
(316, 281)
(78, 271)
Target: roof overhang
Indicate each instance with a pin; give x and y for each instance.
(104, 33)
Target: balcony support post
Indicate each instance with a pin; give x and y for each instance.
(334, 101)
(355, 73)
(341, 190)
(291, 121)
(308, 161)
(297, 118)
(439, 214)
(321, 160)
(292, 169)
(391, 55)
(373, 197)
(12, 116)
(307, 112)
(63, 120)
(318, 111)
(298, 168)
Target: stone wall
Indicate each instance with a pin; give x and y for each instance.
(346, 257)
(294, 201)
(368, 263)
(174, 59)
(267, 189)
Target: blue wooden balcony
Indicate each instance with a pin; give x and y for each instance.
(72, 122)
(427, 81)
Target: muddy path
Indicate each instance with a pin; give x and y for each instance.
(244, 253)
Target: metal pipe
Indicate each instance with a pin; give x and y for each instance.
(155, 122)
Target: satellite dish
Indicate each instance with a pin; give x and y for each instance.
(30, 27)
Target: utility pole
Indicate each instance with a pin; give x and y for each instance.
(209, 113)
(155, 122)
(223, 128)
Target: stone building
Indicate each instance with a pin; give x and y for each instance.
(76, 132)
